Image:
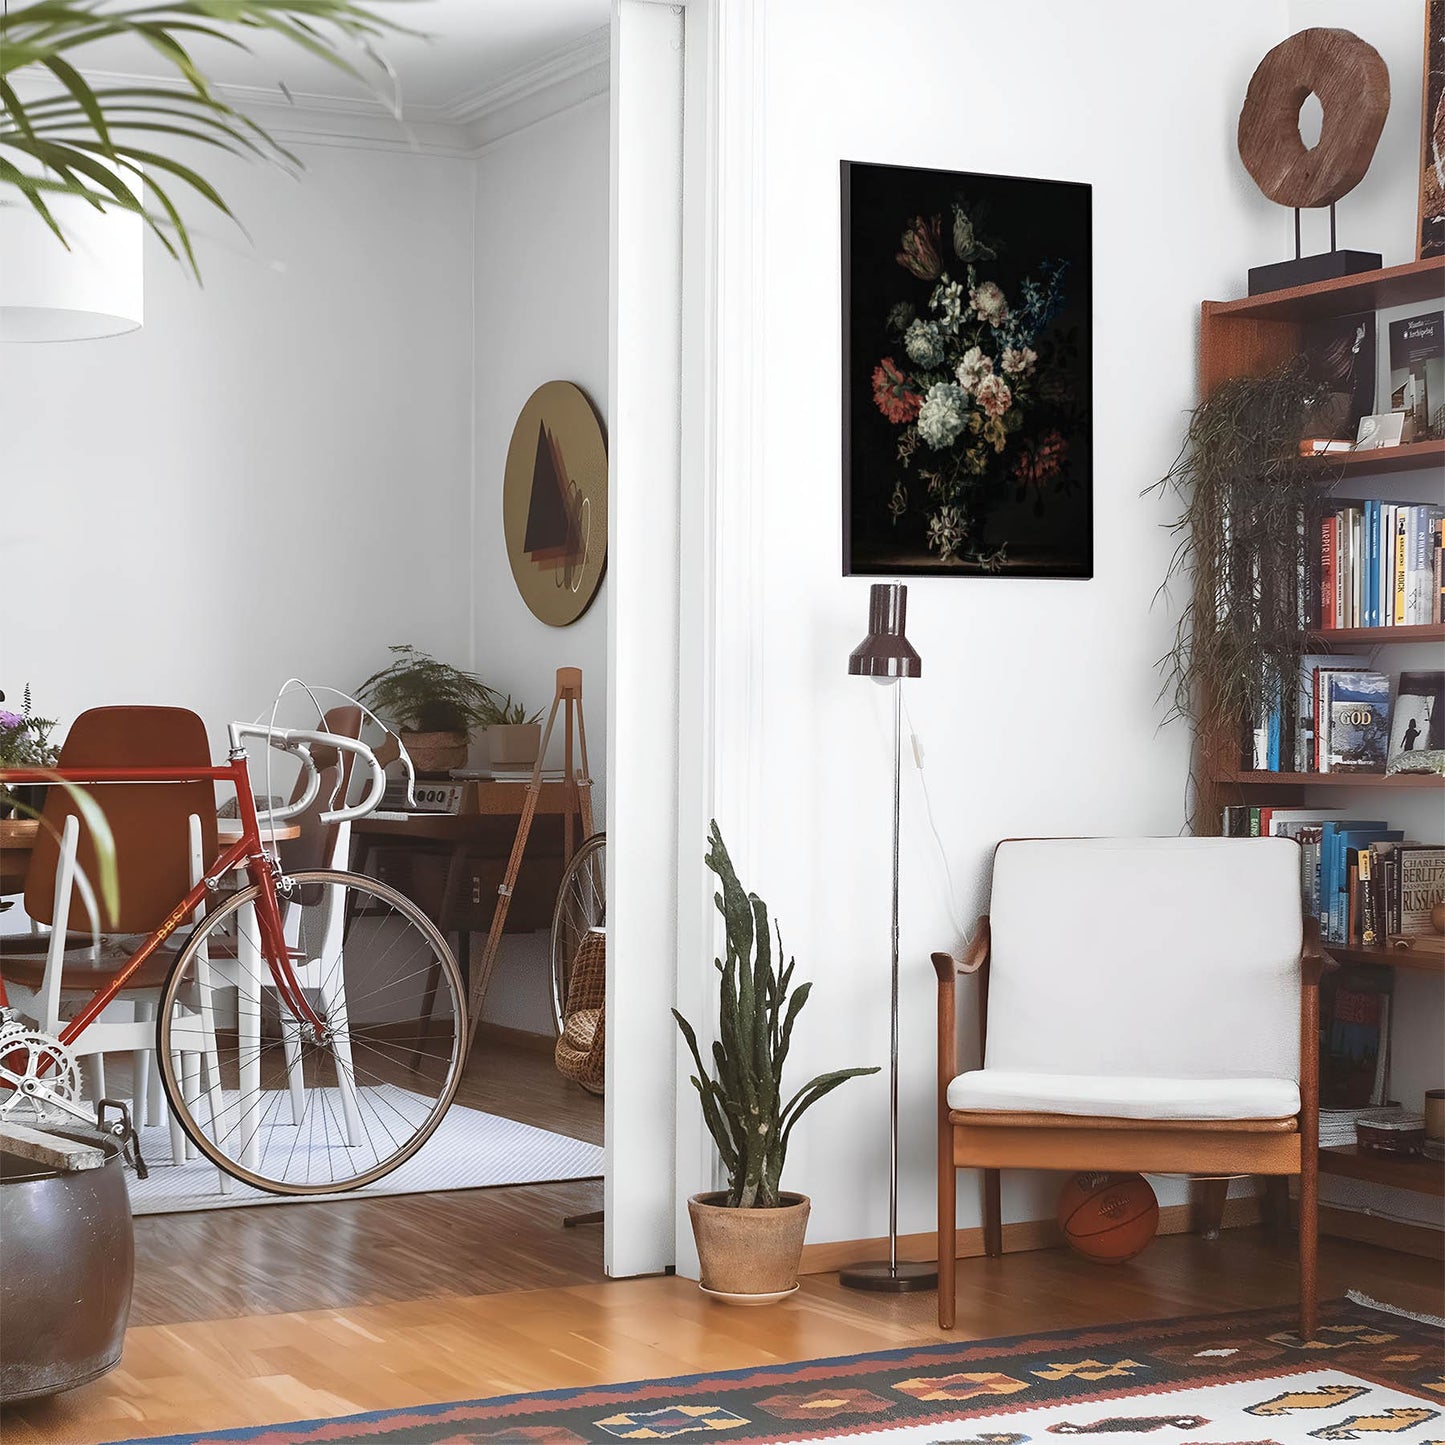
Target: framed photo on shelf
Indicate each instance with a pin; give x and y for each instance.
(967, 374)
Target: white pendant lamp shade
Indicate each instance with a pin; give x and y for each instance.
(48, 293)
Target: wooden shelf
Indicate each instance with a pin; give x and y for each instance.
(1330, 780)
(1374, 636)
(1415, 1172)
(1421, 962)
(1410, 457)
(1416, 281)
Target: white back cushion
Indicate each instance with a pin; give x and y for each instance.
(1169, 957)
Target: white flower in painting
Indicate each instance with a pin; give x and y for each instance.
(988, 301)
(948, 300)
(924, 344)
(1019, 360)
(973, 368)
(940, 419)
(947, 530)
(993, 395)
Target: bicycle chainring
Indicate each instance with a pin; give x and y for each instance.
(28, 1054)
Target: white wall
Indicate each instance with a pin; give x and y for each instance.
(302, 421)
(1037, 707)
(541, 278)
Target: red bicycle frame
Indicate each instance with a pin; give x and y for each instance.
(247, 850)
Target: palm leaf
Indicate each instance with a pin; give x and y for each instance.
(60, 139)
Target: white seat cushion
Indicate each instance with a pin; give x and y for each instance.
(1118, 1097)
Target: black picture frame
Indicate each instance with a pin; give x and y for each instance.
(928, 490)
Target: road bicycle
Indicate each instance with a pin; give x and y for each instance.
(311, 1027)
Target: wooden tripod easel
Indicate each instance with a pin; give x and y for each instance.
(578, 784)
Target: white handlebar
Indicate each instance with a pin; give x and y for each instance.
(299, 741)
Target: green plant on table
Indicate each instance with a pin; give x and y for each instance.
(503, 712)
(742, 1102)
(110, 144)
(423, 695)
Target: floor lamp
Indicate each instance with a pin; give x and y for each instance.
(886, 656)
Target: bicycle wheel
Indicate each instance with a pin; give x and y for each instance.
(581, 904)
(274, 1102)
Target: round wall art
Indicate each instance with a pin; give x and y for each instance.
(554, 503)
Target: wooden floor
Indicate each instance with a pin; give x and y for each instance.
(225, 1263)
(266, 1369)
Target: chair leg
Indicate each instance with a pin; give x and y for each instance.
(992, 1214)
(947, 1226)
(1207, 1198)
(1308, 1245)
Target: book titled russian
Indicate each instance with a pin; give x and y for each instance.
(1357, 714)
(1421, 881)
(1417, 370)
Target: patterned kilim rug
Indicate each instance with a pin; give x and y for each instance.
(1237, 1379)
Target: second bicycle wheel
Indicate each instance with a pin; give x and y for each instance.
(279, 1104)
(581, 905)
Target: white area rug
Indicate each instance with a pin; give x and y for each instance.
(470, 1150)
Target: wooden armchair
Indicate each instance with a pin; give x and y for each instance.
(1146, 1004)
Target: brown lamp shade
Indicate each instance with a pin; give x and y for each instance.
(886, 652)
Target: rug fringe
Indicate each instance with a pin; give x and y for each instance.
(1356, 1297)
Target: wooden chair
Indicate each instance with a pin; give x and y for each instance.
(1145, 1004)
(163, 834)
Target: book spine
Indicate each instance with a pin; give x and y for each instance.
(1369, 934)
(1412, 565)
(1372, 563)
(1398, 605)
(1322, 722)
(1327, 574)
(1341, 549)
(1351, 913)
(1437, 614)
(1385, 600)
(1352, 595)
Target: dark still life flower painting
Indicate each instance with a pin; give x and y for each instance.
(967, 374)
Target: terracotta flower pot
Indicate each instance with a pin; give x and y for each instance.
(749, 1256)
(434, 755)
(513, 745)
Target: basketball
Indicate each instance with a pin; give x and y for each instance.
(1108, 1217)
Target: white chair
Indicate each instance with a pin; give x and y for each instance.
(1144, 1004)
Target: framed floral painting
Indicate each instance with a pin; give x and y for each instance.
(967, 374)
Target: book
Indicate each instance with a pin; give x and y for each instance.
(1420, 589)
(1305, 759)
(1339, 353)
(1397, 604)
(1420, 885)
(1417, 369)
(1417, 720)
(1355, 716)
(1355, 1038)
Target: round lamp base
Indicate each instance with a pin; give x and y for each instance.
(882, 1278)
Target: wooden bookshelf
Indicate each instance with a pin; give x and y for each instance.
(1423, 961)
(1247, 779)
(1399, 1171)
(1409, 457)
(1378, 636)
(1415, 281)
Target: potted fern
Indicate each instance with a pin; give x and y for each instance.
(434, 704)
(750, 1235)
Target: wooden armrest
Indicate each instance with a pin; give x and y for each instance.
(974, 958)
(1312, 959)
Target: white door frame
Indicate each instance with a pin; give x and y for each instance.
(685, 595)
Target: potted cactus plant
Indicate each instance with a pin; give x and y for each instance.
(750, 1236)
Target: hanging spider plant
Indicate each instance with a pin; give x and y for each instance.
(95, 142)
(1242, 542)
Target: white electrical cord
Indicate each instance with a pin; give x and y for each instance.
(916, 748)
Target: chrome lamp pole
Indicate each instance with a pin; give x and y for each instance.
(887, 657)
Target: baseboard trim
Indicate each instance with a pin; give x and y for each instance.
(1021, 1235)
(518, 1038)
(1387, 1233)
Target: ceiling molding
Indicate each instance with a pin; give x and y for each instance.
(579, 60)
(565, 78)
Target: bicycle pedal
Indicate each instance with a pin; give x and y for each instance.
(125, 1131)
